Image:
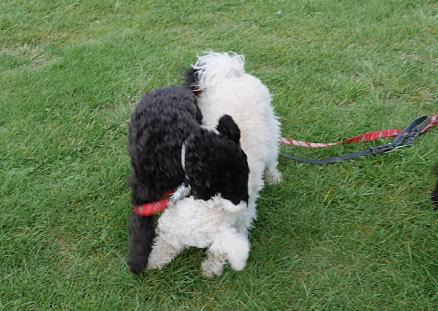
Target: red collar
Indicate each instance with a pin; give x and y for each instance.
(152, 208)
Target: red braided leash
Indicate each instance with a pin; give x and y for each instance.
(152, 208)
(367, 137)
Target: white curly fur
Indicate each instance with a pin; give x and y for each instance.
(217, 224)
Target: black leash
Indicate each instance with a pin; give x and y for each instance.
(405, 139)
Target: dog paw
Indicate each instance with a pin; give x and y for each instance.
(210, 271)
(273, 177)
(155, 263)
(155, 266)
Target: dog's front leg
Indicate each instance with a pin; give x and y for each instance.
(213, 265)
(162, 254)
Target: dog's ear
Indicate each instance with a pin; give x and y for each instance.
(228, 128)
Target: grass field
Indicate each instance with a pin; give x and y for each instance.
(359, 235)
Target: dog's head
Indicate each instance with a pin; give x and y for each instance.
(216, 164)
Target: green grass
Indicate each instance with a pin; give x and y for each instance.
(358, 235)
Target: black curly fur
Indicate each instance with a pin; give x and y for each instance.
(215, 165)
(162, 121)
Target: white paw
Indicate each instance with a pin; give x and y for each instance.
(154, 265)
(156, 261)
(209, 270)
(273, 178)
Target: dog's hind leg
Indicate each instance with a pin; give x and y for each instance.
(162, 253)
(140, 242)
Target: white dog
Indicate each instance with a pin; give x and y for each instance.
(223, 87)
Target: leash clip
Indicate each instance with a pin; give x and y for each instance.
(420, 124)
(408, 136)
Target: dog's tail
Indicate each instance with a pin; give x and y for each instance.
(212, 67)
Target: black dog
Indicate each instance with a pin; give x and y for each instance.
(164, 121)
